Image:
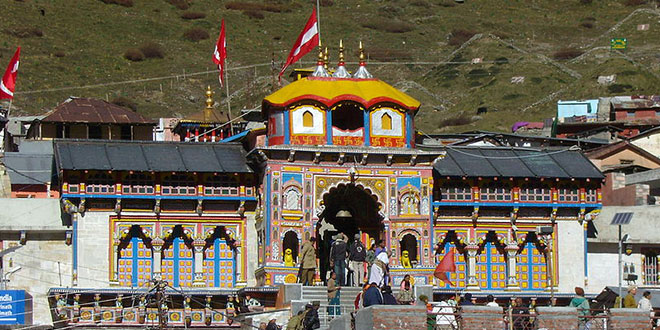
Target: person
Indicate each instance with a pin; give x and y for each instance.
(444, 314)
(358, 298)
(379, 269)
(356, 257)
(491, 301)
(645, 302)
(582, 305)
(467, 300)
(333, 295)
(520, 315)
(372, 296)
(308, 263)
(371, 257)
(388, 298)
(311, 320)
(338, 253)
(262, 326)
(272, 325)
(405, 295)
(296, 321)
(252, 304)
(430, 319)
(380, 248)
(629, 300)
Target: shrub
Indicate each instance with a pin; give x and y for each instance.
(460, 36)
(192, 15)
(567, 54)
(152, 50)
(180, 4)
(392, 26)
(133, 54)
(124, 102)
(196, 34)
(619, 88)
(256, 14)
(586, 2)
(587, 25)
(634, 3)
(125, 3)
(326, 3)
(455, 121)
(59, 53)
(447, 3)
(25, 32)
(269, 7)
(501, 60)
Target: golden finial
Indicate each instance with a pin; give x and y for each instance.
(341, 51)
(325, 58)
(361, 52)
(209, 97)
(320, 53)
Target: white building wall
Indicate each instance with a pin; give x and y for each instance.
(251, 246)
(650, 143)
(44, 265)
(570, 246)
(603, 262)
(93, 250)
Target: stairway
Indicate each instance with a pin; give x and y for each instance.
(346, 300)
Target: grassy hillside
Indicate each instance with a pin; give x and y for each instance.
(417, 45)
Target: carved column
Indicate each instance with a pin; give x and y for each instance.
(115, 262)
(512, 277)
(157, 244)
(472, 284)
(198, 246)
(239, 263)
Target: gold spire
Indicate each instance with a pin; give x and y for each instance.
(208, 111)
(361, 52)
(320, 60)
(325, 58)
(341, 52)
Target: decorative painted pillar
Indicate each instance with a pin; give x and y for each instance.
(472, 284)
(198, 246)
(512, 277)
(157, 244)
(115, 262)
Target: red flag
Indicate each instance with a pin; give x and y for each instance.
(307, 40)
(447, 264)
(8, 83)
(220, 52)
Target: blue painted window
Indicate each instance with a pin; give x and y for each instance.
(491, 268)
(531, 268)
(135, 264)
(178, 264)
(219, 265)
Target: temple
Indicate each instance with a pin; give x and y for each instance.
(339, 154)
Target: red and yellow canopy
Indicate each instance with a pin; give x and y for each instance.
(330, 91)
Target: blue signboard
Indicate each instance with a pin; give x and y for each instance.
(12, 306)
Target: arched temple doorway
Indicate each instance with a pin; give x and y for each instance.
(349, 209)
(135, 259)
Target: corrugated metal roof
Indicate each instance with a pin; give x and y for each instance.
(515, 162)
(86, 110)
(26, 168)
(150, 156)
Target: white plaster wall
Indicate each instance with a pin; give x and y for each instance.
(650, 143)
(377, 125)
(39, 272)
(603, 267)
(570, 255)
(297, 120)
(251, 246)
(93, 250)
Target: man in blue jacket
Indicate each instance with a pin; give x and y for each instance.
(372, 296)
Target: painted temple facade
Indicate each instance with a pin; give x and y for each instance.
(348, 144)
(340, 155)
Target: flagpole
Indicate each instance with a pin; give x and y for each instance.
(231, 126)
(318, 20)
(9, 110)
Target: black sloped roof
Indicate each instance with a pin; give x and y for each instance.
(515, 162)
(150, 156)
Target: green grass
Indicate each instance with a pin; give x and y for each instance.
(93, 37)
